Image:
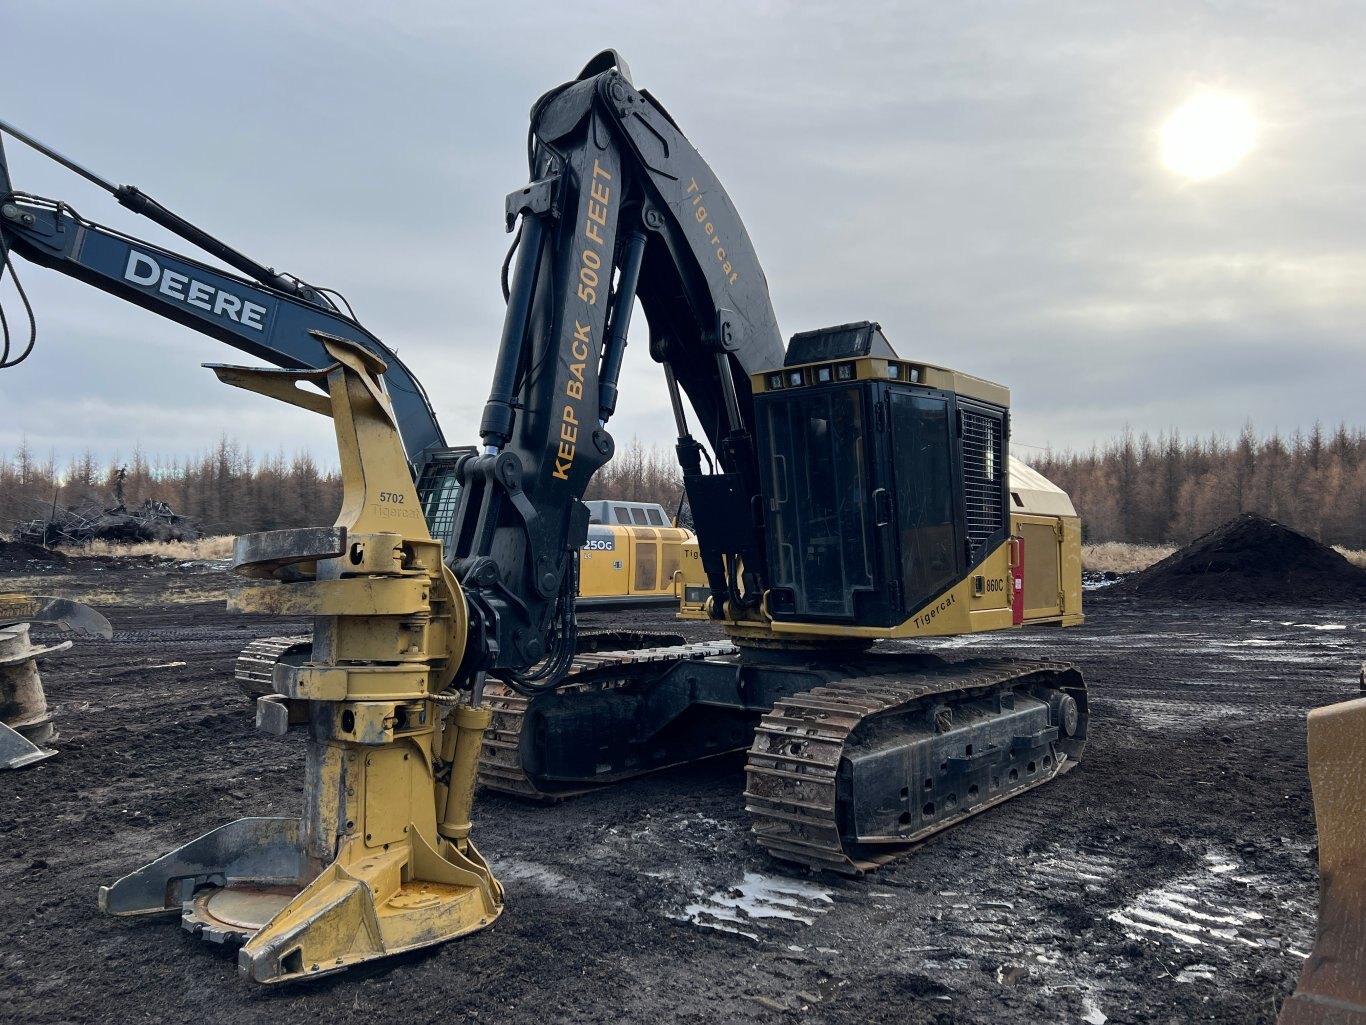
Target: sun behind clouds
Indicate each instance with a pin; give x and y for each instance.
(1208, 135)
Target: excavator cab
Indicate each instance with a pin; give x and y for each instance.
(886, 478)
(438, 487)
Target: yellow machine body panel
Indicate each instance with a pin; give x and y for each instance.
(1043, 555)
(631, 562)
(873, 368)
(690, 582)
(632, 554)
(1332, 987)
(381, 860)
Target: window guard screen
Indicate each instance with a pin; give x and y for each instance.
(437, 492)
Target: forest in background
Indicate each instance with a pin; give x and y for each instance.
(1136, 488)
(231, 491)
(1146, 490)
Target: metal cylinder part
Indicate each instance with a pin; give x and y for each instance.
(1064, 713)
(23, 705)
(469, 725)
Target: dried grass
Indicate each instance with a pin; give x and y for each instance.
(204, 548)
(1119, 557)
(1356, 556)
(1108, 557)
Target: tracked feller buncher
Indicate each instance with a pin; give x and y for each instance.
(847, 499)
(844, 495)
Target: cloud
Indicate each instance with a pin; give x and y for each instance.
(983, 180)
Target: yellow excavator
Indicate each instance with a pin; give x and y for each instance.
(843, 494)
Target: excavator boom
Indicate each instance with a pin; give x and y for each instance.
(272, 319)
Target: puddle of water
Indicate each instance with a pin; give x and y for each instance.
(1178, 716)
(1219, 865)
(1288, 651)
(1061, 868)
(756, 900)
(961, 641)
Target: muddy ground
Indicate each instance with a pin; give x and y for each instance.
(1169, 879)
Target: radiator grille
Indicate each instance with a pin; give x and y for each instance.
(982, 469)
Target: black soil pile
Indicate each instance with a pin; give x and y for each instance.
(23, 557)
(1250, 559)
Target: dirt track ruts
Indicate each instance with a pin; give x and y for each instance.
(1192, 809)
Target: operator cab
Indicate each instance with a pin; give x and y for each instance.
(885, 479)
(438, 488)
(628, 514)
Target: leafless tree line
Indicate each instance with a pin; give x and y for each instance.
(228, 490)
(638, 474)
(1172, 489)
(1135, 488)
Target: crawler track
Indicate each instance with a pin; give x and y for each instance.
(799, 792)
(501, 765)
(255, 667)
(799, 787)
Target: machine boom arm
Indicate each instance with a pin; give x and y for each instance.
(620, 208)
(273, 321)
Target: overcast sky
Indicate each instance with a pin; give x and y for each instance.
(984, 179)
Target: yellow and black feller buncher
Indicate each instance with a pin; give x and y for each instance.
(843, 495)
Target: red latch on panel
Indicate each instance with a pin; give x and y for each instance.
(1017, 580)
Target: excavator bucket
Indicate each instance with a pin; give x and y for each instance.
(1332, 989)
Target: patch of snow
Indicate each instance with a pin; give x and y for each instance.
(1199, 910)
(1195, 971)
(757, 899)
